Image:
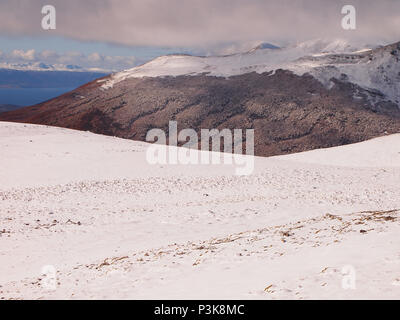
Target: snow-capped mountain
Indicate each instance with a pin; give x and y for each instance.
(375, 70)
(264, 46)
(255, 60)
(305, 96)
(41, 66)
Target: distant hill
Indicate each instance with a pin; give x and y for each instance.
(264, 46)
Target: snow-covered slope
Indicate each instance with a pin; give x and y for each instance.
(260, 60)
(375, 70)
(114, 226)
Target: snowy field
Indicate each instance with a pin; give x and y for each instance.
(321, 224)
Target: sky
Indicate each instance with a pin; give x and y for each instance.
(55, 49)
(119, 34)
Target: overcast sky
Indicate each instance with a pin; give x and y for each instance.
(202, 25)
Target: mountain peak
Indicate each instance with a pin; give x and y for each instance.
(264, 46)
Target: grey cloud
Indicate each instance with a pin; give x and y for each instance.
(203, 23)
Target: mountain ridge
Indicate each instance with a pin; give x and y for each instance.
(290, 111)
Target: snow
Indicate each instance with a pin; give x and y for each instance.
(384, 150)
(40, 66)
(261, 60)
(322, 59)
(114, 226)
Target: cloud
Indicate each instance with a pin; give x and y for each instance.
(28, 55)
(94, 60)
(202, 23)
(95, 57)
(48, 54)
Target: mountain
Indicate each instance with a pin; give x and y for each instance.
(7, 107)
(305, 96)
(41, 66)
(264, 46)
